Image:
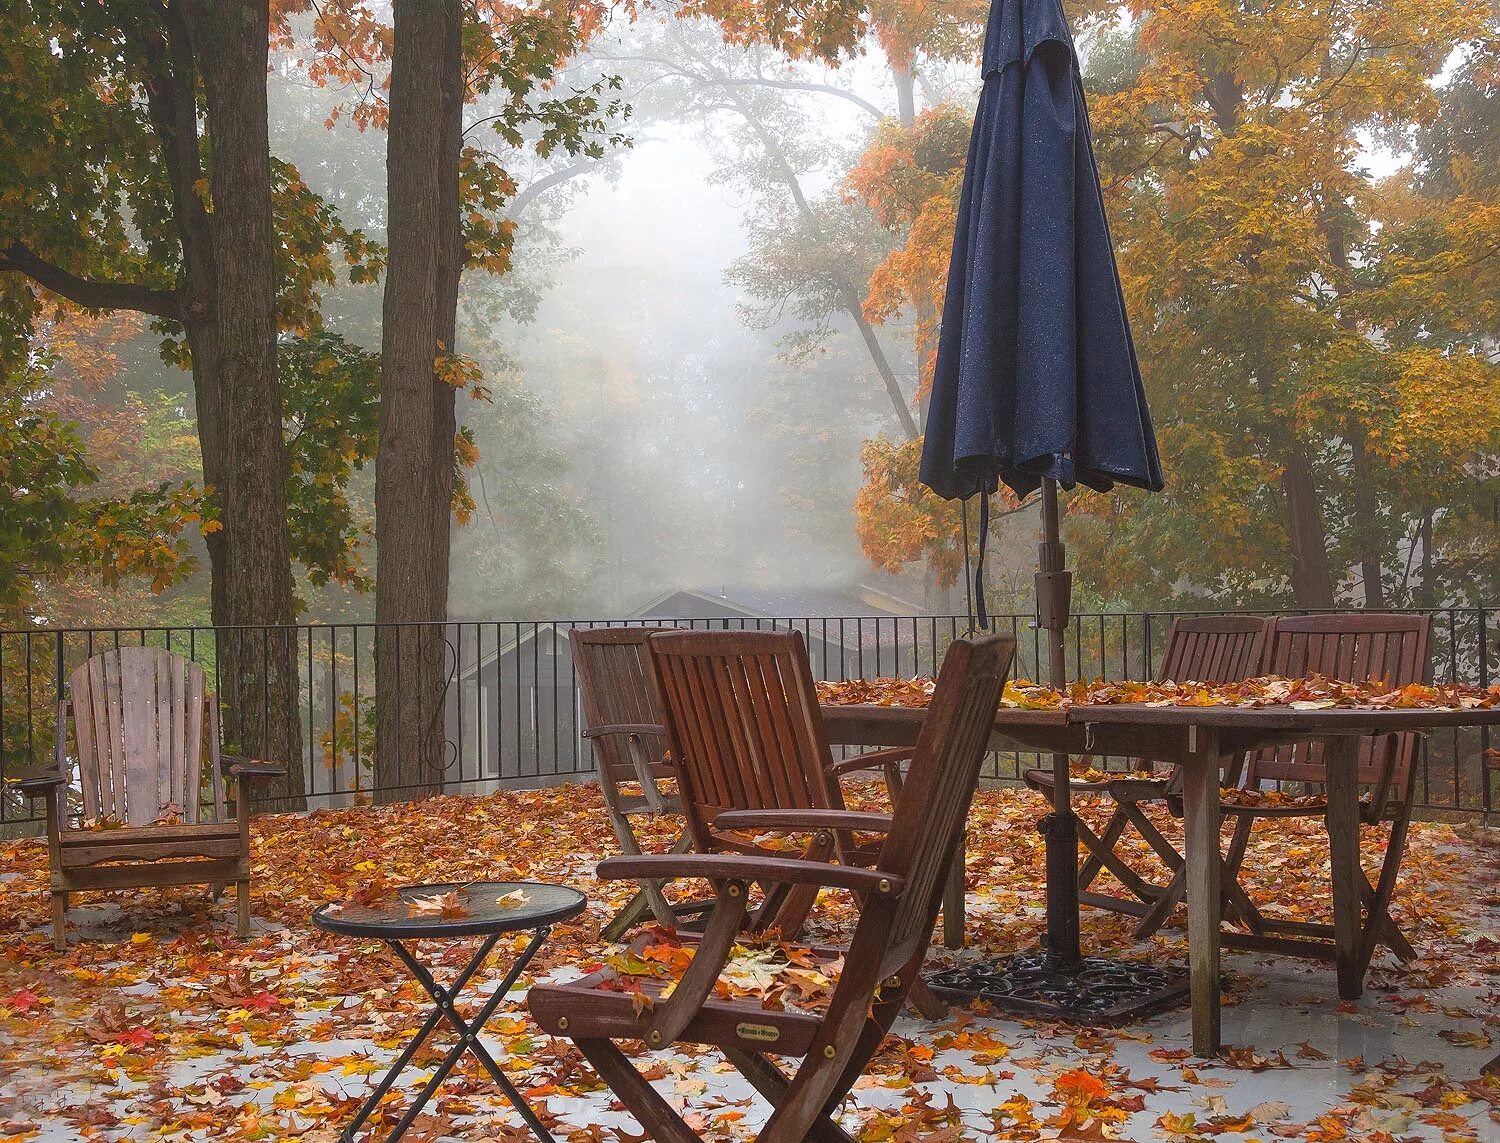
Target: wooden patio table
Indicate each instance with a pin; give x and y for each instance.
(1200, 739)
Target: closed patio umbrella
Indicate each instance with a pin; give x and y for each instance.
(1037, 382)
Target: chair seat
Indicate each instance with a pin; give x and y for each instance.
(1040, 779)
(1232, 803)
(150, 843)
(592, 1011)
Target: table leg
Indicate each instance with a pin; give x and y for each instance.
(1200, 809)
(1342, 762)
(468, 1031)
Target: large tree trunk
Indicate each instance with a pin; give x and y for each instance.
(417, 323)
(1365, 518)
(1307, 538)
(251, 556)
(1311, 577)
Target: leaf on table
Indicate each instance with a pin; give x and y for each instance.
(447, 906)
(513, 900)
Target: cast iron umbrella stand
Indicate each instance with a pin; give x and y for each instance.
(1057, 982)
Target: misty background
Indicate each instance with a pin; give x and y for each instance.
(676, 399)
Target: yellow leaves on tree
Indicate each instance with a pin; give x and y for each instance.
(898, 519)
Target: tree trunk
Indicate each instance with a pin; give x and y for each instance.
(410, 564)
(1311, 578)
(1426, 587)
(1365, 512)
(1307, 538)
(243, 447)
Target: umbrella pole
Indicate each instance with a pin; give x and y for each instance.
(1060, 828)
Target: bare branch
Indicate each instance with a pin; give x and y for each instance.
(93, 295)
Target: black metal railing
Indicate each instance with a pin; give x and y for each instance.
(504, 707)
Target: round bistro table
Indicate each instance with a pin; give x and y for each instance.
(393, 922)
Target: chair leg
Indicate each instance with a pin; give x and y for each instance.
(651, 1111)
(242, 907)
(1157, 915)
(628, 917)
(1239, 902)
(1379, 925)
(59, 920)
(771, 1082)
(953, 899)
(929, 1004)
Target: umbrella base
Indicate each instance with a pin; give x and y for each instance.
(1096, 990)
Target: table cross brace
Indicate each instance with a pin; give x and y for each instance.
(445, 1008)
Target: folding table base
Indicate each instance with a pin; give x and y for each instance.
(468, 1038)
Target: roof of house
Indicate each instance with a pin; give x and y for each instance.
(750, 602)
(783, 603)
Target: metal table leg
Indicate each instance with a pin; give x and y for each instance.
(445, 1008)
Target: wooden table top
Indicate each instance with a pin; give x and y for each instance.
(1338, 720)
(1335, 720)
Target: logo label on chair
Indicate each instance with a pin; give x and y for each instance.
(764, 1033)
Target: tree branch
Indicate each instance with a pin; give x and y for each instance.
(817, 88)
(527, 194)
(85, 292)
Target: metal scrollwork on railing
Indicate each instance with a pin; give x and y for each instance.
(442, 653)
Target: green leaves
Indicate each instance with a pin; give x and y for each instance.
(330, 392)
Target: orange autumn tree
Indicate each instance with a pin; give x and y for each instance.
(1315, 341)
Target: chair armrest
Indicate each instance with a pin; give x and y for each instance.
(803, 821)
(745, 867)
(633, 732)
(237, 767)
(871, 760)
(626, 728)
(37, 780)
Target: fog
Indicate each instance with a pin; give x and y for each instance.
(706, 444)
(678, 392)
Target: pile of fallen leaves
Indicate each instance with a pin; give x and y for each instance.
(158, 1024)
(1312, 693)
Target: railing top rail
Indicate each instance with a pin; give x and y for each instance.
(599, 621)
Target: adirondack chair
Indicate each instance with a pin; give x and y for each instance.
(1356, 646)
(624, 726)
(745, 729)
(899, 898)
(1202, 649)
(139, 718)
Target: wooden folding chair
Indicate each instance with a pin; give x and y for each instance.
(1200, 649)
(899, 900)
(746, 733)
(623, 724)
(1357, 647)
(142, 723)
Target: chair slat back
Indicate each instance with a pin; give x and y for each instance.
(138, 717)
(934, 803)
(1214, 648)
(1354, 647)
(613, 665)
(743, 723)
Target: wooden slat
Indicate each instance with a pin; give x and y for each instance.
(162, 728)
(138, 724)
(143, 835)
(84, 740)
(177, 768)
(151, 873)
(193, 748)
(107, 701)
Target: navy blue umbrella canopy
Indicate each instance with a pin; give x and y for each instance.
(1036, 372)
